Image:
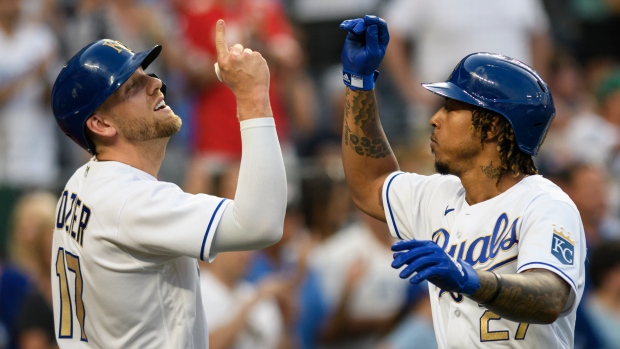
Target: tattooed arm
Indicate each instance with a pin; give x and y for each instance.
(366, 153)
(536, 296)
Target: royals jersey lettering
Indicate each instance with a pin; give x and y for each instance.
(124, 240)
(532, 225)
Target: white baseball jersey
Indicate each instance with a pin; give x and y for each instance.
(531, 225)
(124, 269)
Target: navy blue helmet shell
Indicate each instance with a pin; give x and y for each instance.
(506, 86)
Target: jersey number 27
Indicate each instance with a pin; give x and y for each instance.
(486, 335)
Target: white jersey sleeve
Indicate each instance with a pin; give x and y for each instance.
(407, 196)
(550, 240)
(256, 217)
(161, 219)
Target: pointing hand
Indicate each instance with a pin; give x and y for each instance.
(246, 73)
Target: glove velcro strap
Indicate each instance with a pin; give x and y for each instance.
(472, 282)
(359, 82)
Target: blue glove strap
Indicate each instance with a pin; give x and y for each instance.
(472, 282)
(359, 82)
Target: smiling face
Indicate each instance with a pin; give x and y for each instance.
(454, 141)
(139, 111)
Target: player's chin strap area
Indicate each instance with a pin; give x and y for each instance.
(163, 84)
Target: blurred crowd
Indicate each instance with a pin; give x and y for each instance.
(328, 283)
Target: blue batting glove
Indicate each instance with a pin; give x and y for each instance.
(363, 51)
(432, 263)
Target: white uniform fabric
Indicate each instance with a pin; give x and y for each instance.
(125, 248)
(531, 225)
(445, 31)
(264, 327)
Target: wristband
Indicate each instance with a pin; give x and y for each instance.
(497, 290)
(359, 82)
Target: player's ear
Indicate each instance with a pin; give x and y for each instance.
(100, 126)
(494, 130)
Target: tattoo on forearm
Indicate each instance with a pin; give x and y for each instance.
(491, 171)
(533, 301)
(364, 135)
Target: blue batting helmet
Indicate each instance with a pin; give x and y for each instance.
(88, 79)
(505, 86)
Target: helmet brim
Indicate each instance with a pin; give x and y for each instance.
(149, 56)
(141, 59)
(450, 90)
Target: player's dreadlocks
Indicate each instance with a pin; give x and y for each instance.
(512, 158)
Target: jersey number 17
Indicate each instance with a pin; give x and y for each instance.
(68, 262)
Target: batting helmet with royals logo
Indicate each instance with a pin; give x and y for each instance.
(506, 86)
(88, 79)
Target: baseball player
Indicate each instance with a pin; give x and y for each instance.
(502, 247)
(125, 250)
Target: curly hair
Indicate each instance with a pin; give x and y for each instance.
(512, 158)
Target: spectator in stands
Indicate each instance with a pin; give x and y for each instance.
(594, 136)
(589, 188)
(14, 287)
(322, 209)
(601, 306)
(417, 325)
(241, 315)
(441, 32)
(31, 250)
(354, 269)
(260, 25)
(28, 136)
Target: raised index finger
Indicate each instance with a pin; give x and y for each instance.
(220, 40)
